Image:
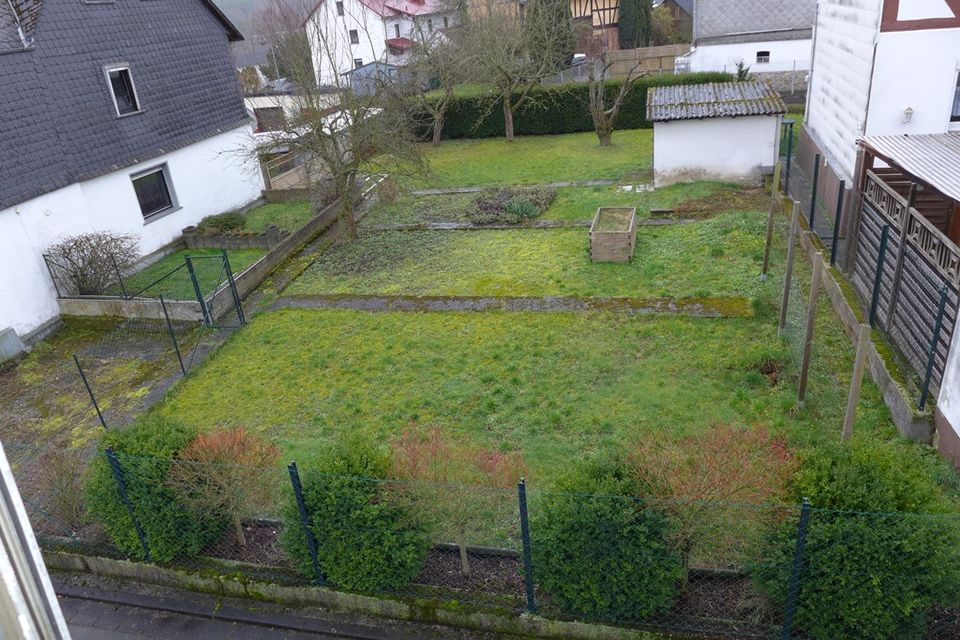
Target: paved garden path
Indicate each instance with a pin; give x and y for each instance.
(698, 307)
(534, 224)
(557, 185)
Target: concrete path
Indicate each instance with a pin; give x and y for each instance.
(556, 185)
(697, 307)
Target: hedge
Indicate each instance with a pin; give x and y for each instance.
(554, 109)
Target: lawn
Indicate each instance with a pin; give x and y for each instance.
(539, 159)
(718, 257)
(289, 216)
(160, 278)
(556, 386)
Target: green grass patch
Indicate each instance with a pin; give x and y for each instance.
(718, 257)
(556, 386)
(289, 216)
(538, 159)
(411, 209)
(178, 285)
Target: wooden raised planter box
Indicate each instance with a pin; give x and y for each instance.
(613, 234)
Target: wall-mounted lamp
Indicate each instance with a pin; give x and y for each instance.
(907, 115)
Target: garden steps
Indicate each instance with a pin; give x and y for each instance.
(696, 307)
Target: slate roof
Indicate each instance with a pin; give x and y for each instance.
(732, 21)
(713, 100)
(934, 158)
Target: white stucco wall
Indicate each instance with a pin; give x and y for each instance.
(329, 36)
(785, 55)
(916, 69)
(211, 176)
(949, 400)
(732, 149)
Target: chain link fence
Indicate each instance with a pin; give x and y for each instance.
(708, 567)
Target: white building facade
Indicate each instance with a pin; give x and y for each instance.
(348, 34)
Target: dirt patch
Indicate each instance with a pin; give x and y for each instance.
(728, 198)
(613, 219)
(772, 370)
(263, 546)
(488, 573)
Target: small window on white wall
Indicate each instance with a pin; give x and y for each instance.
(446, 22)
(955, 112)
(763, 56)
(339, 8)
(357, 63)
(354, 37)
(153, 191)
(396, 30)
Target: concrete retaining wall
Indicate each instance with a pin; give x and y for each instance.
(147, 308)
(266, 240)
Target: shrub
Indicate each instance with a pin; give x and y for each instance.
(604, 554)
(459, 491)
(519, 209)
(365, 542)
(87, 263)
(223, 222)
(228, 472)
(146, 450)
(552, 109)
(873, 568)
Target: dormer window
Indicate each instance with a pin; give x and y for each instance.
(122, 90)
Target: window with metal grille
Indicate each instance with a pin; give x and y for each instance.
(763, 56)
(357, 63)
(153, 191)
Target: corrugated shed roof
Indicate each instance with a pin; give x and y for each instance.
(934, 158)
(713, 100)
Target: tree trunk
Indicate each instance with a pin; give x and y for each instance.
(464, 559)
(346, 220)
(507, 118)
(438, 127)
(239, 527)
(606, 136)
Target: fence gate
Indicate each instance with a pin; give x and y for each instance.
(216, 290)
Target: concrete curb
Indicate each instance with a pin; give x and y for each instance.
(413, 609)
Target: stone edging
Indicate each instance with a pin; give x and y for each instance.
(497, 620)
(534, 224)
(695, 307)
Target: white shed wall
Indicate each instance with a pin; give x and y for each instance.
(732, 149)
(949, 400)
(785, 55)
(839, 89)
(209, 177)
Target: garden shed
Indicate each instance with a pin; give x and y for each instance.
(714, 131)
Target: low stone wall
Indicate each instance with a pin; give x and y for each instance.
(286, 195)
(266, 240)
(147, 308)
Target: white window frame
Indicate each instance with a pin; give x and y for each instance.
(171, 192)
(122, 66)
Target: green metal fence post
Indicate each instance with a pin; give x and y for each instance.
(123, 288)
(836, 223)
(173, 336)
(786, 173)
(197, 292)
(527, 554)
(813, 192)
(793, 588)
(881, 258)
(86, 384)
(119, 476)
(305, 522)
(233, 288)
(932, 357)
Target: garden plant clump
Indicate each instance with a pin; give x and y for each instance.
(511, 205)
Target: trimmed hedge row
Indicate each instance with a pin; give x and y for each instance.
(554, 109)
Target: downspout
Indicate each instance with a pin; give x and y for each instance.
(873, 69)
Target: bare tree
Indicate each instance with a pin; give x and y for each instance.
(604, 104)
(342, 124)
(441, 64)
(514, 53)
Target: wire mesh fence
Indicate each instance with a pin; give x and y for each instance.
(709, 567)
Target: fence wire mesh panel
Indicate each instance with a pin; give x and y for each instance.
(713, 568)
(215, 288)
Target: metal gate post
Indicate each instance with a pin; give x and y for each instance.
(788, 274)
(527, 553)
(836, 222)
(881, 258)
(813, 193)
(196, 290)
(932, 357)
(233, 288)
(793, 588)
(305, 522)
(86, 384)
(123, 288)
(173, 336)
(786, 175)
(118, 475)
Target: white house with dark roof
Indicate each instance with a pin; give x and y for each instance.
(350, 34)
(715, 131)
(769, 36)
(121, 116)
